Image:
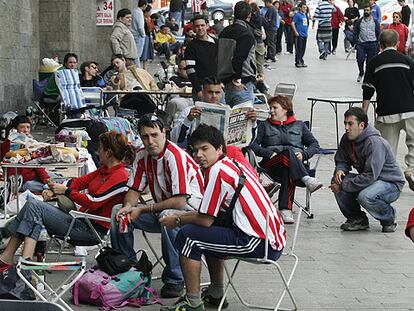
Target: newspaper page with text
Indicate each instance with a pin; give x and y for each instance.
(232, 122)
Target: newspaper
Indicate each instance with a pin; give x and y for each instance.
(232, 122)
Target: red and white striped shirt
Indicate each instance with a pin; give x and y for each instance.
(172, 173)
(252, 205)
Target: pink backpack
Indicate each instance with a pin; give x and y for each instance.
(130, 288)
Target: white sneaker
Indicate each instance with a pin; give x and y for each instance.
(312, 185)
(287, 216)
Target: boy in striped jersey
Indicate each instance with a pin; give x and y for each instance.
(216, 234)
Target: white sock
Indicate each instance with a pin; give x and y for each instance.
(306, 179)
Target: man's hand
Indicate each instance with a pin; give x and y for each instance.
(169, 221)
(57, 188)
(299, 156)
(123, 212)
(195, 112)
(296, 34)
(335, 188)
(338, 176)
(47, 195)
(251, 115)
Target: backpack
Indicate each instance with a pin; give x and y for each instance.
(13, 287)
(130, 288)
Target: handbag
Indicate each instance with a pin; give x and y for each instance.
(112, 262)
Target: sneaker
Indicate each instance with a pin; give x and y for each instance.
(359, 79)
(288, 53)
(355, 224)
(298, 65)
(313, 184)
(210, 301)
(322, 56)
(389, 228)
(4, 266)
(304, 65)
(183, 304)
(346, 50)
(268, 60)
(333, 52)
(287, 216)
(410, 178)
(172, 290)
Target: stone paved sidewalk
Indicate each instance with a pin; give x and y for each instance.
(337, 270)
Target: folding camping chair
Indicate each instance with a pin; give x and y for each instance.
(286, 89)
(77, 267)
(102, 241)
(74, 102)
(41, 112)
(268, 180)
(266, 261)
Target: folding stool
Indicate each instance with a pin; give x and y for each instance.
(77, 267)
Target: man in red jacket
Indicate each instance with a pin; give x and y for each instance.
(337, 20)
(285, 8)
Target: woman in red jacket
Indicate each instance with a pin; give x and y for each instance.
(106, 188)
(402, 31)
(33, 179)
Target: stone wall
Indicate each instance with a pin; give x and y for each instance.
(35, 29)
(19, 52)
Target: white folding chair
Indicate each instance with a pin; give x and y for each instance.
(286, 89)
(77, 267)
(266, 261)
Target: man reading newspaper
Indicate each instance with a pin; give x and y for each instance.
(236, 123)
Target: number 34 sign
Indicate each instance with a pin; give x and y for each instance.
(105, 13)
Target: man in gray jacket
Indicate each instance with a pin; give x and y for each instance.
(379, 180)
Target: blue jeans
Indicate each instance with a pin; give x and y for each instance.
(35, 214)
(33, 186)
(139, 41)
(364, 53)
(376, 199)
(238, 94)
(324, 47)
(124, 242)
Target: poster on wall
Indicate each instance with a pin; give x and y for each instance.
(105, 13)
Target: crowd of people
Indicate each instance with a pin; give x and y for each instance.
(206, 197)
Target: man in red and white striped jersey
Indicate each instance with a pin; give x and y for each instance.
(175, 182)
(216, 234)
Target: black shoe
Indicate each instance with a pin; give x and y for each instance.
(172, 290)
(298, 65)
(333, 52)
(210, 301)
(389, 228)
(322, 56)
(304, 65)
(355, 224)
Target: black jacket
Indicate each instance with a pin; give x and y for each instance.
(391, 75)
(236, 53)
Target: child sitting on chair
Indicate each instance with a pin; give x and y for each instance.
(33, 179)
